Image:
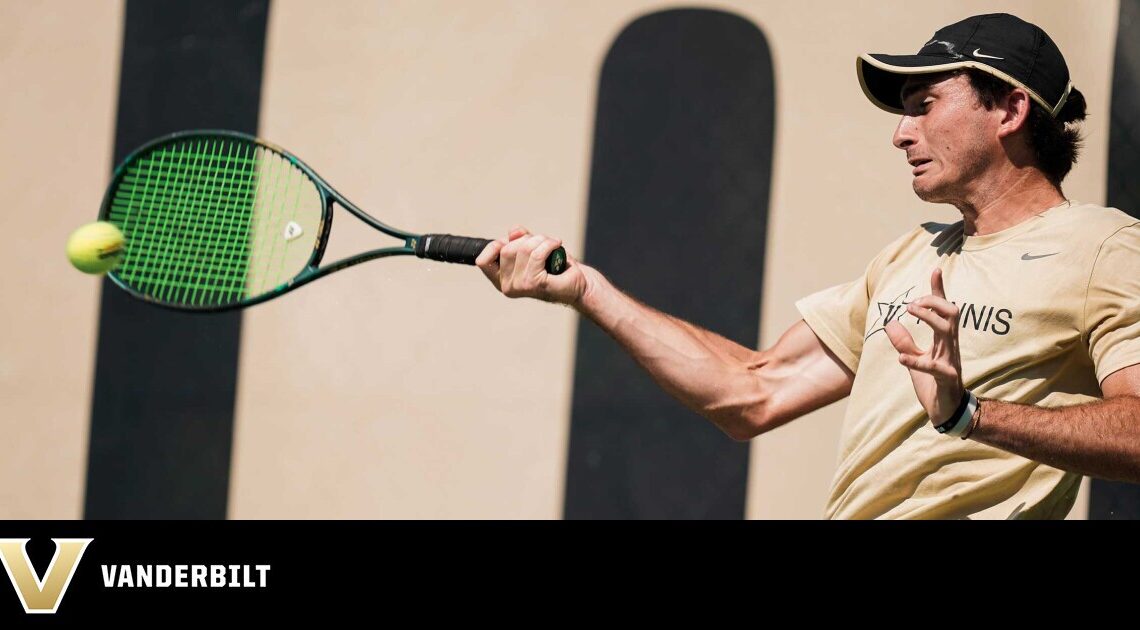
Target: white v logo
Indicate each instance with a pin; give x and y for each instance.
(978, 54)
(42, 596)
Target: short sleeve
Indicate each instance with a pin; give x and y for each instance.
(1112, 304)
(838, 316)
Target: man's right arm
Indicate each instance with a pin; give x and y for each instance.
(744, 392)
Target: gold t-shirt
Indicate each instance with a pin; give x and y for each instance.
(1049, 308)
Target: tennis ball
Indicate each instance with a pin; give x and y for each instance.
(95, 247)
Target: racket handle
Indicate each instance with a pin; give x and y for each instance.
(464, 250)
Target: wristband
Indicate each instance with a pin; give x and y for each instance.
(959, 421)
(975, 421)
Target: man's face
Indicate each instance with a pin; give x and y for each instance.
(949, 137)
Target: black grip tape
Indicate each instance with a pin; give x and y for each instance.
(448, 248)
(464, 250)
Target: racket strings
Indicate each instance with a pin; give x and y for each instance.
(211, 221)
(181, 208)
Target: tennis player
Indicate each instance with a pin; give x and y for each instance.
(990, 363)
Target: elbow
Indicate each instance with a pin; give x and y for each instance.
(742, 422)
(747, 427)
(743, 406)
(742, 433)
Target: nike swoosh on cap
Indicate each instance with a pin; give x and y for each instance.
(978, 53)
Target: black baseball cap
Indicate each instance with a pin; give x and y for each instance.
(999, 44)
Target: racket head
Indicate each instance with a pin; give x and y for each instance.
(215, 220)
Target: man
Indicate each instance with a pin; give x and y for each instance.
(1018, 327)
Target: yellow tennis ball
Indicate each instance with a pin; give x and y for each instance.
(96, 247)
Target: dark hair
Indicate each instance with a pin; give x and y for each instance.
(1056, 141)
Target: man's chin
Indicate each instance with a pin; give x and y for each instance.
(926, 193)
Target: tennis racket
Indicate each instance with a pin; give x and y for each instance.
(219, 220)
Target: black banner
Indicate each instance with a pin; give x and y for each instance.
(164, 573)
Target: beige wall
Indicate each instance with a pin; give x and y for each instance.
(59, 72)
(405, 389)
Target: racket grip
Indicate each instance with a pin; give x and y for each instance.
(464, 250)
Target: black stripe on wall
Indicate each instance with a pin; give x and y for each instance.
(678, 212)
(1111, 499)
(163, 408)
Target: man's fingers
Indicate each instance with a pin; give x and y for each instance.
(937, 304)
(935, 320)
(523, 255)
(927, 365)
(490, 254)
(507, 260)
(920, 363)
(537, 264)
(936, 286)
(901, 339)
(520, 248)
(488, 260)
(517, 232)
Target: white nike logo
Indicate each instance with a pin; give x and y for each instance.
(978, 53)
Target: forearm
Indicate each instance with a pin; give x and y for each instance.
(709, 374)
(1100, 439)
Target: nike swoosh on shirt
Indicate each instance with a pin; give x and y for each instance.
(1027, 256)
(978, 53)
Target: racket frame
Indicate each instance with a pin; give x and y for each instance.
(312, 270)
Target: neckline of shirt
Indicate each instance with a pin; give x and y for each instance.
(976, 243)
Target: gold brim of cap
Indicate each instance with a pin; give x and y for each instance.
(865, 58)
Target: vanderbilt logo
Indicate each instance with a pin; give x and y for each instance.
(42, 595)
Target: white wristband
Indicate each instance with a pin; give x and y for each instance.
(963, 421)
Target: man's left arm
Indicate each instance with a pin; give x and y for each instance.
(1100, 438)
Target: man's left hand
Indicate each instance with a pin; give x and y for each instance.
(937, 372)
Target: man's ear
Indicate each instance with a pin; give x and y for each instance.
(1015, 112)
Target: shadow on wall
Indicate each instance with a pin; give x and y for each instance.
(677, 217)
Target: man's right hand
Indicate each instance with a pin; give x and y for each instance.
(517, 268)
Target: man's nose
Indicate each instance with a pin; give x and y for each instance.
(904, 133)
